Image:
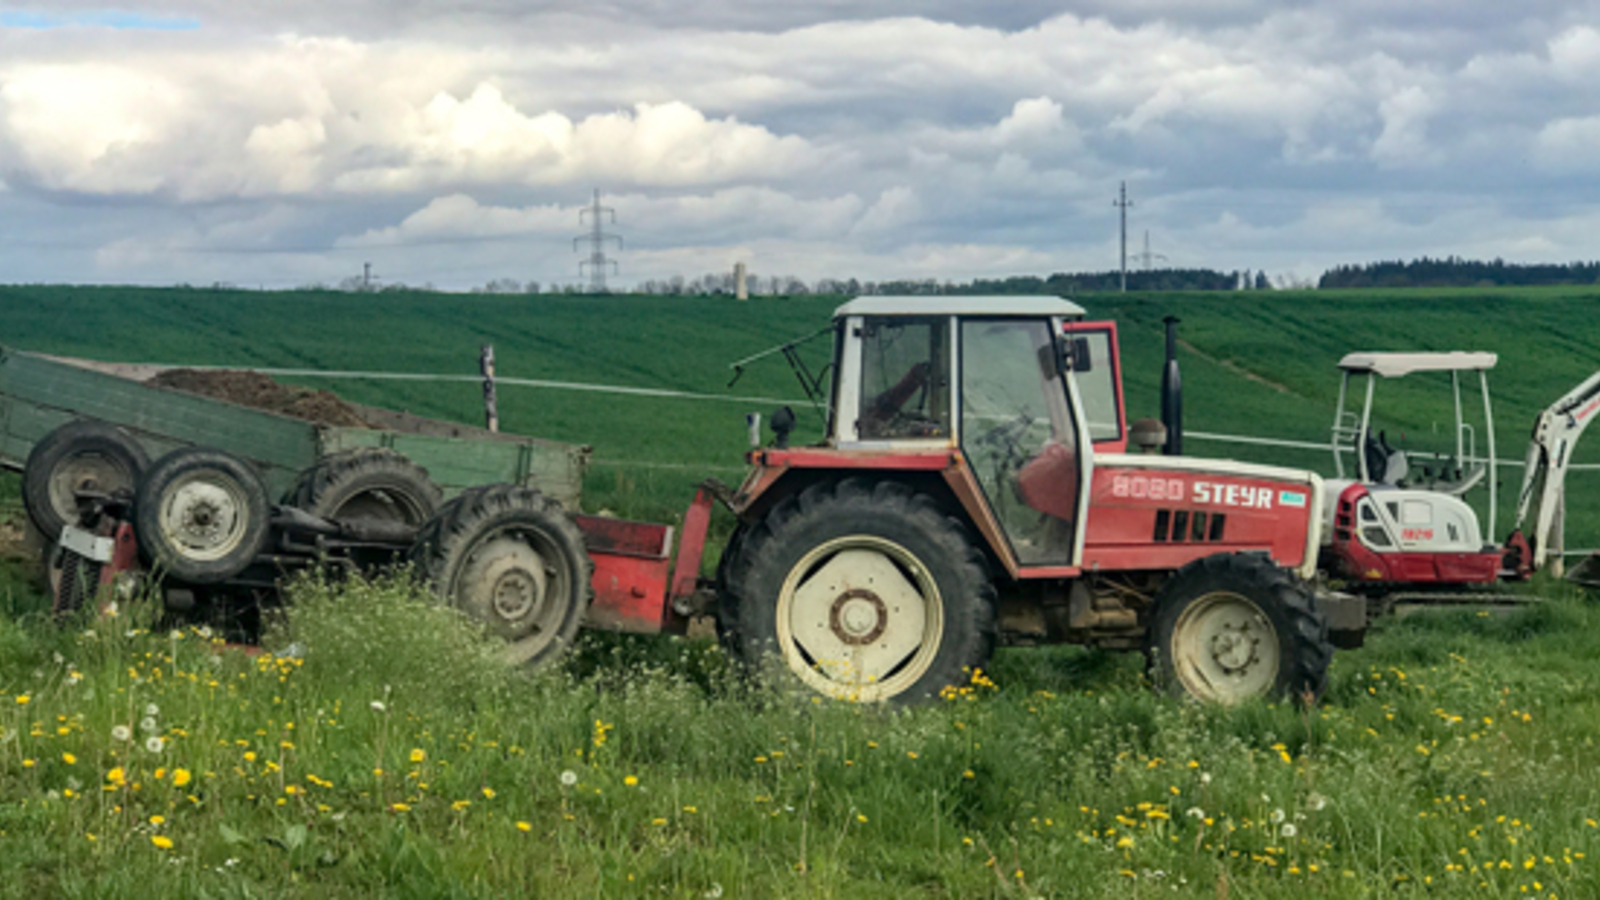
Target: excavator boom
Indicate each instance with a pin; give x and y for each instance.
(1555, 433)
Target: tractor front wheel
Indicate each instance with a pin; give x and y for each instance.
(865, 593)
(1234, 627)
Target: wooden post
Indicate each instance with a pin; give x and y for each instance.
(491, 408)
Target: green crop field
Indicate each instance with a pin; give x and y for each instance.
(1452, 756)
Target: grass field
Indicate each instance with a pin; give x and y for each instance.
(1451, 757)
(1262, 363)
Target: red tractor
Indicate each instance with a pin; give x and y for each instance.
(974, 489)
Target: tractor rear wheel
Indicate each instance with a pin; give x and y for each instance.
(866, 592)
(513, 559)
(370, 483)
(84, 455)
(1235, 627)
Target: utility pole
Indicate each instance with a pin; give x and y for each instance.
(1122, 203)
(366, 276)
(596, 238)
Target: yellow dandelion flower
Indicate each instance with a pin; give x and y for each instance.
(69, 759)
(861, 818)
(400, 807)
(488, 793)
(161, 841)
(158, 820)
(418, 754)
(658, 821)
(631, 781)
(459, 805)
(23, 699)
(524, 826)
(969, 774)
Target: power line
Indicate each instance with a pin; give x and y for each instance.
(1146, 259)
(596, 238)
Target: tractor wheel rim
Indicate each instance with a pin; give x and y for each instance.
(86, 471)
(1225, 649)
(859, 618)
(204, 519)
(509, 584)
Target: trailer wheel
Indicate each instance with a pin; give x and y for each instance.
(1234, 627)
(372, 483)
(866, 593)
(513, 559)
(201, 515)
(82, 455)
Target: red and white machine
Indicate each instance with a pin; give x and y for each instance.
(1404, 519)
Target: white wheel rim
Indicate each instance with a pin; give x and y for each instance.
(859, 618)
(1224, 649)
(204, 519)
(511, 586)
(91, 471)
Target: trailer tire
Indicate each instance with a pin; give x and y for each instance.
(916, 616)
(369, 483)
(513, 559)
(1234, 627)
(83, 454)
(201, 515)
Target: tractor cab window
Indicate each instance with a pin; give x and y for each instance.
(1097, 386)
(1018, 435)
(905, 378)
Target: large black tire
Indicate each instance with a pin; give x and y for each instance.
(84, 455)
(1234, 627)
(369, 483)
(865, 592)
(201, 515)
(513, 559)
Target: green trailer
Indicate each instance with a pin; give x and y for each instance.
(39, 393)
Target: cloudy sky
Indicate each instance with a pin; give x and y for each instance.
(286, 142)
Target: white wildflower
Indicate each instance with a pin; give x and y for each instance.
(1205, 777)
(1196, 812)
(377, 706)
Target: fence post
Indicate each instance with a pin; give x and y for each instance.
(491, 408)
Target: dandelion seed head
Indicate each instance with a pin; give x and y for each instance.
(569, 778)
(149, 725)
(377, 706)
(1289, 830)
(154, 744)
(152, 710)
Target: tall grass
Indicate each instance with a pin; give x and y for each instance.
(392, 754)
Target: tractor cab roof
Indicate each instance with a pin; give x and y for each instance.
(1396, 365)
(948, 305)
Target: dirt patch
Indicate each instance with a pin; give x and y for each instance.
(257, 391)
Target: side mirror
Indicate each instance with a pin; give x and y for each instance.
(783, 422)
(1066, 354)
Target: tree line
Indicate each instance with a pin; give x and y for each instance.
(1453, 271)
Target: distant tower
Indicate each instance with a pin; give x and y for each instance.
(741, 291)
(596, 238)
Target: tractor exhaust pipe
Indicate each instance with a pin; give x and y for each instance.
(1172, 393)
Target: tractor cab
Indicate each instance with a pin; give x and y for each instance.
(1021, 387)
